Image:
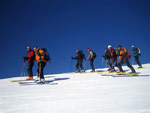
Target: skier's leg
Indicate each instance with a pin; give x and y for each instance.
(109, 64)
(129, 65)
(92, 65)
(81, 66)
(138, 61)
(120, 65)
(77, 66)
(29, 69)
(43, 64)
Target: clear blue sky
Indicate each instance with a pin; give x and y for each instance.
(62, 26)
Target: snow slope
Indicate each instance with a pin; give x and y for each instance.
(79, 93)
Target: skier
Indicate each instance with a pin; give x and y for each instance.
(30, 59)
(107, 58)
(136, 54)
(113, 56)
(124, 58)
(79, 57)
(40, 58)
(91, 57)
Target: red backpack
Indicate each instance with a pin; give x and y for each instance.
(128, 54)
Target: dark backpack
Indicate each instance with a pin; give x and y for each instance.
(82, 55)
(94, 55)
(46, 55)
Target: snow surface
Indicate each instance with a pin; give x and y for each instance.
(79, 93)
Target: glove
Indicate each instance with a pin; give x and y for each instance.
(25, 58)
(72, 58)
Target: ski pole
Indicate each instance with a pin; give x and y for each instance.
(106, 65)
(71, 65)
(132, 61)
(84, 64)
(102, 61)
(23, 71)
(40, 69)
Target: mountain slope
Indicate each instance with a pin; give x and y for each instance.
(79, 93)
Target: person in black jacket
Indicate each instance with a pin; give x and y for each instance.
(79, 57)
(107, 57)
(136, 54)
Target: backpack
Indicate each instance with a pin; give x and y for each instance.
(127, 51)
(128, 54)
(82, 55)
(94, 55)
(46, 55)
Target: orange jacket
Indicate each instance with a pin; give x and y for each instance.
(122, 53)
(40, 56)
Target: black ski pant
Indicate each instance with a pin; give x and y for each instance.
(137, 60)
(108, 63)
(125, 60)
(29, 68)
(79, 63)
(92, 64)
(40, 69)
(113, 62)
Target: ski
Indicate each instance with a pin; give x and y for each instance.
(20, 80)
(107, 73)
(80, 72)
(144, 68)
(48, 82)
(99, 71)
(128, 75)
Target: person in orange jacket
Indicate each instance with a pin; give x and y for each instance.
(124, 58)
(30, 59)
(40, 58)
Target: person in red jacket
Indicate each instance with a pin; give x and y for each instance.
(30, 59)
(113, 57)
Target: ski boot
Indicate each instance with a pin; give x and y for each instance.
(133, 74)
(29, 78)
(139, 67)
(42, 81)
(120, 73)
(112, 70)
(82, 71)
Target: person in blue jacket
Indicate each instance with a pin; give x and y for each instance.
(136, 54)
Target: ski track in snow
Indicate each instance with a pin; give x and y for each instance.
(79, 93)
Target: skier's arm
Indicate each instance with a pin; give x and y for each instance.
(73, 58)
(76, 57)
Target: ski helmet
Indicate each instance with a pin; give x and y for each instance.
(132, 46)
(109, 46)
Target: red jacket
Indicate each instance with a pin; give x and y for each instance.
(30, 56)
